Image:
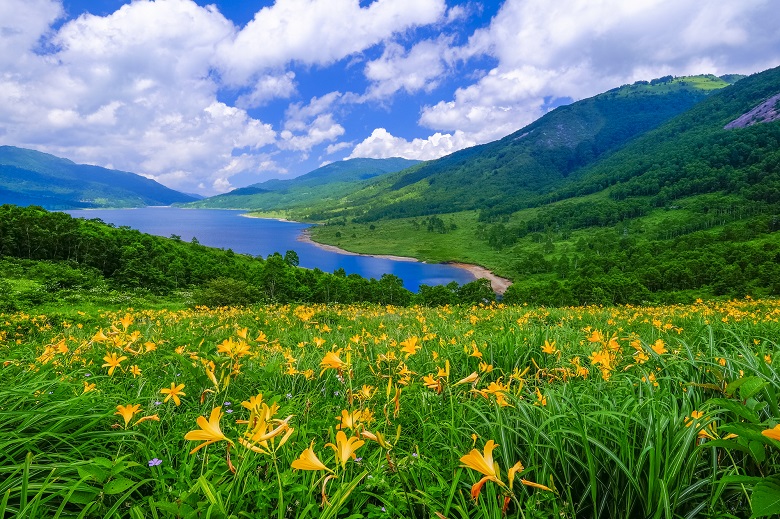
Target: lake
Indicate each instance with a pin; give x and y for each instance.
(227, 229)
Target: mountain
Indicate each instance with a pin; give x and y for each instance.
(29, 177)
(532, 161)
(323, 185)
(688, 209)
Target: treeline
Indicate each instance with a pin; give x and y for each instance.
(65, 253)
(609, 267)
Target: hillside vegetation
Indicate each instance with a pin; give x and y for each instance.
(327, 184)
(29, 177)
(534, 160)
(687, 210)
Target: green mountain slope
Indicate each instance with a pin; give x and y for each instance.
(689, 209)
(533, 160)
(327, 184)
(29, 177)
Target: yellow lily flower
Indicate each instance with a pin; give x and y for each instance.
(100, 336)
(113, 362)
(410, 345)
(773, 433)
(331, 360)
(309, 461)
(152, 417)
(345, 448)
(257, 438)
(468, 380)
(535, 485)
(128, 411)
(254, 402)
(174, 392)
(209, 432)
(514, 469)
(484, 464)
(549, 347)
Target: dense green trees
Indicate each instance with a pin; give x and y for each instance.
(64, 253)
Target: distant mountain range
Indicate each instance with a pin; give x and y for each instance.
(29, 177)
(327, 184)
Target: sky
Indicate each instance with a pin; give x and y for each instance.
(205, 97)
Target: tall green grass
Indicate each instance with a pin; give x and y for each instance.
(651, 437)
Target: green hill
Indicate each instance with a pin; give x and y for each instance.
(29, 177)
(531, 161)
(688, 209)
(327, 184)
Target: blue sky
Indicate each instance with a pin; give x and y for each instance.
(208, 96)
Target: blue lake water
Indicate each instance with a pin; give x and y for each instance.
(227, 229)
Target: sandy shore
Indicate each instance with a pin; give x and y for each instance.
(498, 284)
(247, 215)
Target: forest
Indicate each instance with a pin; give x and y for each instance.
(67, 256)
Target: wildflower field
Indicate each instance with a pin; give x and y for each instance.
(377, 411)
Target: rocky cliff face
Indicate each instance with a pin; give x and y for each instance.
(766, 112)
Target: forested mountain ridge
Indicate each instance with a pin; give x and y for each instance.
(701, 151)
(689, 209)
(534, 160)
(29, 177)
(326, 183)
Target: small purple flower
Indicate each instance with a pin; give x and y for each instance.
(227, 404)
(229, 411)
(157, 402)
(87, 374)
(154, 462)
(414, 455)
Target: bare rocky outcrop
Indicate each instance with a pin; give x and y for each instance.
(766, 112)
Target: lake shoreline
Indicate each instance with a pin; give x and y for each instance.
(497, 283)
(262, 235)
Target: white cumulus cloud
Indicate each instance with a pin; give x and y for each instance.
(577, 49)
(381, 145)
(318, 32)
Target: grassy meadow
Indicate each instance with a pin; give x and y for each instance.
(376, 411)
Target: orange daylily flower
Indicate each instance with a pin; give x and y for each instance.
(309, 461)
(128, 411)
(174, 392)
(331, 360)
(773, 433)
(113, 362)
(345, 448)
(484, 464)
(209, 432)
